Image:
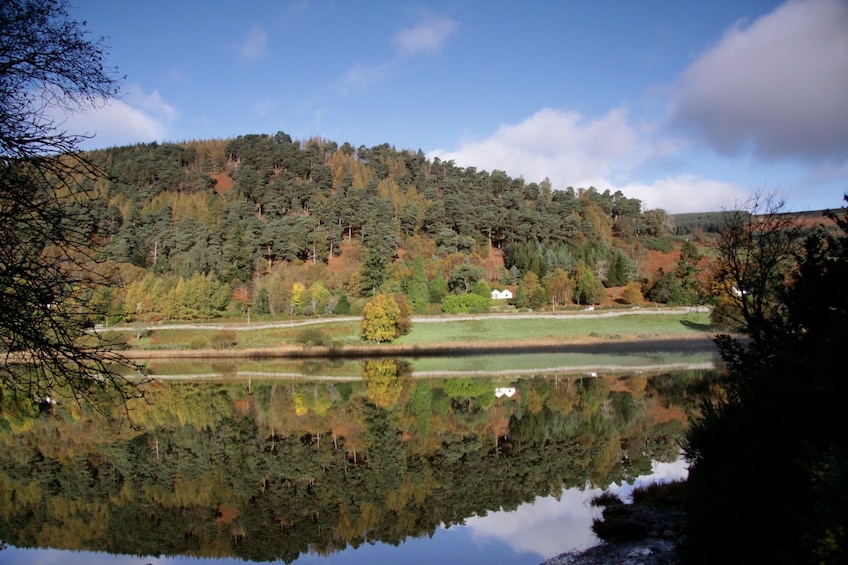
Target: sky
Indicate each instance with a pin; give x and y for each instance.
(688, 105)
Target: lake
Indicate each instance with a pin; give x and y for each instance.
(481, 459)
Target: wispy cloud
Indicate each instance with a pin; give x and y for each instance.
(255, 43)
(426, 37)
(776, 87)
(362, 75)
(134, 118)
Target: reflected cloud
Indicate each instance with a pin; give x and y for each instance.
(545, 527)
(550, 526)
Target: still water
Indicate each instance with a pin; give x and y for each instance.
(373, 461)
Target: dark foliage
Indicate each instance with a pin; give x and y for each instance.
(769, 455)
(49, 215)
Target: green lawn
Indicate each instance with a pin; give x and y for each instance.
(495, 330)
(566, 328)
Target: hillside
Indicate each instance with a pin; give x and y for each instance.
(203, 229)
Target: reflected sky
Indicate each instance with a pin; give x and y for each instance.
(531, 534)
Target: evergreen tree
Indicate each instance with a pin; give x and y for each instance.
(343, 305)
(438, 287)
(687, 273)
(588, 289)
(417, 291)
(666, 290)
(521, 299)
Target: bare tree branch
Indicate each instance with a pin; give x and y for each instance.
(48, 219)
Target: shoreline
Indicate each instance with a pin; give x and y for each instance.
(588, 345)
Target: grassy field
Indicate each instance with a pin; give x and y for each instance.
(565, 328)
(498, 332)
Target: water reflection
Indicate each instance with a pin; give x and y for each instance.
(549, 524)
(295, 469)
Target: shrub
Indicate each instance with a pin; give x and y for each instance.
(310, 336)
(224, 339)
(633, 294)
(466, 304)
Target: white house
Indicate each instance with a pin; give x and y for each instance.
(504, 294)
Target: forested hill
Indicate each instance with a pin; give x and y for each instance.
(291, 226)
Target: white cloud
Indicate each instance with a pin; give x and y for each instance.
(426, 37)
(777, 86)
(560, 145)
(136, 117)
(546, 527)
(255, 44)
(571, 150)
(550, 525)
(686, 193)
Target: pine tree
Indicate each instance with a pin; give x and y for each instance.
(417, 291)
(438, 287)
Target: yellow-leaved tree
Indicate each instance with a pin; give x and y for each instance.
(382, 319)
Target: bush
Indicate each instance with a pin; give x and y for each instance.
(605, 499)
(633, 294)
(224, 339)
(310, 336)
(466, 304)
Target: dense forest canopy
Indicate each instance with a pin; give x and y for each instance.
(192, 230)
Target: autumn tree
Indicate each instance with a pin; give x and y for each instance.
(383, 384)
(756, 253)
(534, 290)
(633, 294)
(381, 319)
(318, 295)
(559, 287)
(50, 68)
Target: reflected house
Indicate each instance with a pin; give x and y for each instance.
(504, 294)
(505, 391)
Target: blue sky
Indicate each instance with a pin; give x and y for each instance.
(688, 105)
